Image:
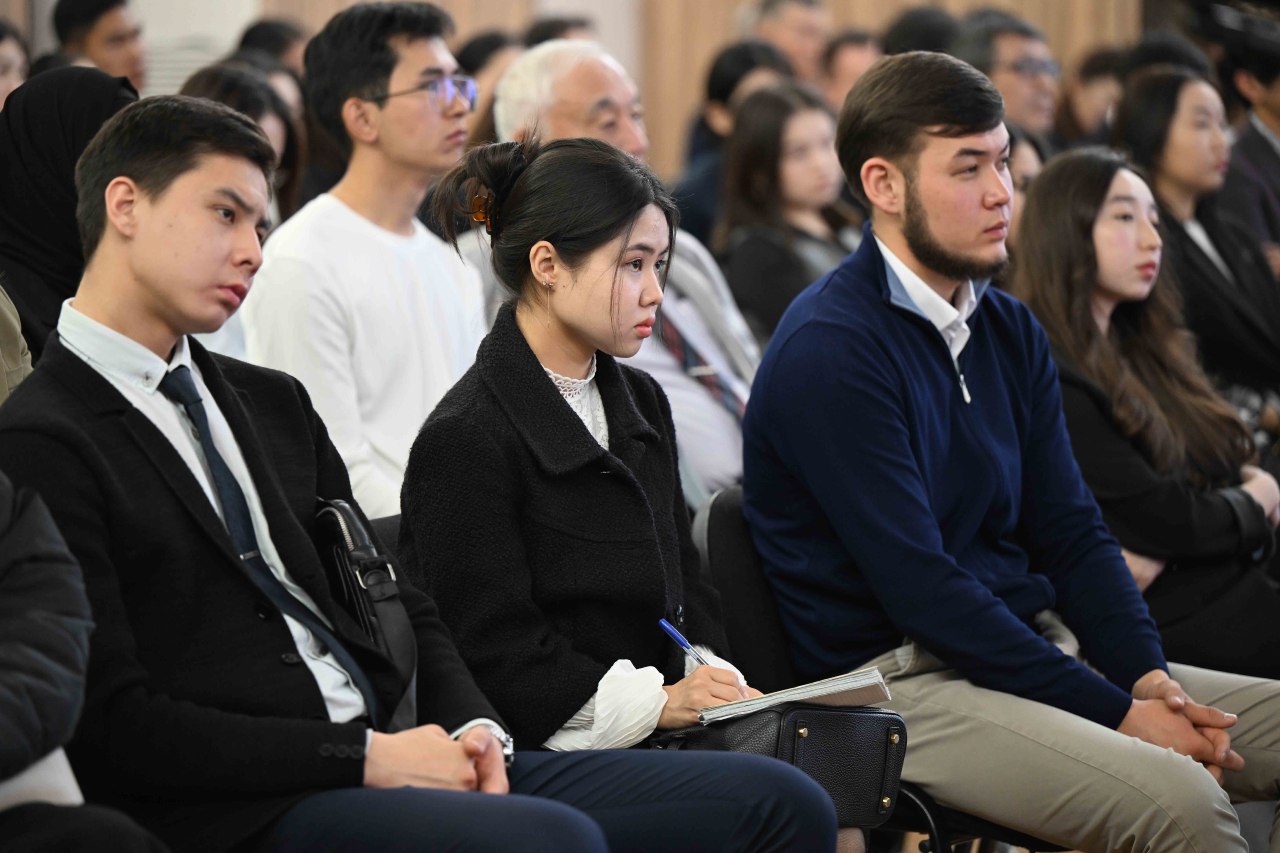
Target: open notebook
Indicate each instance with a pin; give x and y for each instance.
(862, 687)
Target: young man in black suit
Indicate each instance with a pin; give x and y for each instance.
(230, 702)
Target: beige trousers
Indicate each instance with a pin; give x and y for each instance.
(1064, 779)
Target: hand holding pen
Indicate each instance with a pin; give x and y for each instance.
(705, 687)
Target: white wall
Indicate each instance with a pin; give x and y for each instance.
(617, 21)
(184, 35)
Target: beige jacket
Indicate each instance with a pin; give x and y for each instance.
(15, 359)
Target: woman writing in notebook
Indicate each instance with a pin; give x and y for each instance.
(542, 504)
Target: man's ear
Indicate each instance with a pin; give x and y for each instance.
(884, 184)
(360, 118)
(719, 118)
(121, 198)
(1248, 85)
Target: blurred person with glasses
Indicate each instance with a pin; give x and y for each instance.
(1016, 57)
(356, 298)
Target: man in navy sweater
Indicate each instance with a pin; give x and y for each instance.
(911, 488)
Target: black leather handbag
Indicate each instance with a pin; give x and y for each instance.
(855, 753)
(363, 582)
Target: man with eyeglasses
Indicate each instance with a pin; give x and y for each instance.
(355, 297)
(1015, 56)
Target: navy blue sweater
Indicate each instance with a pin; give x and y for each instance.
(886, 506)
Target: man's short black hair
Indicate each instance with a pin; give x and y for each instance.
(155, 141)
(841, 40)
(73, 19)
(1166, 48)
(546, 29)
(901, 99)
(769, 8)
(736, 61)
(272, 36)
(355, 53)
(975, 43)
(920, 28)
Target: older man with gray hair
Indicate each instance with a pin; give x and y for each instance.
(703, 354)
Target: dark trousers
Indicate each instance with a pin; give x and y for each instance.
(45, 828)
(608, 800)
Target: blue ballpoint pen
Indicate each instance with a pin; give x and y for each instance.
(682, 642)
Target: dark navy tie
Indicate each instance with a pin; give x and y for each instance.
(179, 387)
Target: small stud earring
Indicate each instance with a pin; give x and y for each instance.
(549, 284)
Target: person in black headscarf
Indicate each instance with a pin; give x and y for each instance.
(45, 125)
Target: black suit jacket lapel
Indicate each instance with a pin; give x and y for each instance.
(1211, 278)
(296, 549)
(103, 399)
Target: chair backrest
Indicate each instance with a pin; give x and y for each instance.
(757, 642)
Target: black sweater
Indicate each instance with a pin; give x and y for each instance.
(1206, 536)
(550, 557)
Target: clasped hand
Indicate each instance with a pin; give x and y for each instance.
(702, 688)
(1163, 714)
(426, 757)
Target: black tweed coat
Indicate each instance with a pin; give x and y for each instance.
(549, 556)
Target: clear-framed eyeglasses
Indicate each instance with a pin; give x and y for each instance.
(443, 91)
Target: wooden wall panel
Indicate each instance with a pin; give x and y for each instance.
(471, 16)
(680, 38)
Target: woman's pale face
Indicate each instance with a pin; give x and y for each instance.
(1196, 152)
(13, 68)
(1126, 242)
(809, 174)
(1024, 167)
(610, 302)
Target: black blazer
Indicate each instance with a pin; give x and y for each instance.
(1252, 187)
(200, 718)
(1237, 324)
(1206, 536)
(549, 556)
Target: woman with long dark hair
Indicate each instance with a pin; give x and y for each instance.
(249, 90)
(783, 224)
(1172, 124)
(1169, 461)
(542, 505)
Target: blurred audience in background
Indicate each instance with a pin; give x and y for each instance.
(920, 28)
(1172, 124)
(1088, 99)
(104, 33)
(782, 224)
(14, 59)
(736, 72)
(546, 29)
(1017, 58)
(798, 28)
(282, 40)
(485, 56)
(1026, 159)
(844, 60)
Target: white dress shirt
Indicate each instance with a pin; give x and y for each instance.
(951, 321)
(376, 325)
(135, 372)
(1201, 238)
